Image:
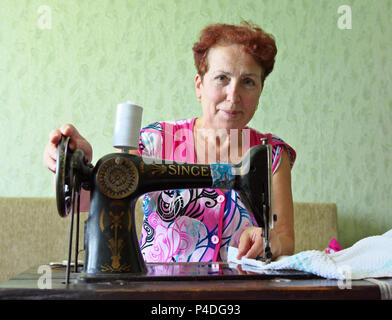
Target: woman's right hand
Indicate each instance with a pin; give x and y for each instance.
(76, 142)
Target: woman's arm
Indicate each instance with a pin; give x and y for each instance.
(283, 232)
(282, 235)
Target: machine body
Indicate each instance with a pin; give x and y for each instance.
(119, 179)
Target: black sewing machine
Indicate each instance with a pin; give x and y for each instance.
(119, 179)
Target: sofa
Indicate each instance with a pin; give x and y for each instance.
(32, 233)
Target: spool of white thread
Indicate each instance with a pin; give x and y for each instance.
(127, 126)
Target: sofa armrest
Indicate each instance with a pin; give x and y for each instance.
(315, 224)
(33, 233)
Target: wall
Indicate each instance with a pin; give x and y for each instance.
(329, 95)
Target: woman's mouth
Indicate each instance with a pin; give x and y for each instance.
(231, 114)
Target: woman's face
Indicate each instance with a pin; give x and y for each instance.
(230, 89)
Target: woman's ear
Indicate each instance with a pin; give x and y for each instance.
(198, 85)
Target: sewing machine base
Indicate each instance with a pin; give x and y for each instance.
(226, 287)
(194, 271)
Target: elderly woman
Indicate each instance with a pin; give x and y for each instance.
(200, 224)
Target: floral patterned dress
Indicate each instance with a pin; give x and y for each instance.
(193, 225)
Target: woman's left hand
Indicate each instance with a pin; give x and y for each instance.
(251, 243)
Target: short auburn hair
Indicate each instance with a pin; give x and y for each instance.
(259, 44)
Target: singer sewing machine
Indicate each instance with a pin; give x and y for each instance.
(119, 179)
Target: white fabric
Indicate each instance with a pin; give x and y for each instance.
(368, 258)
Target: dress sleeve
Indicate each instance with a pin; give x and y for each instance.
(278, 146)
(150, 140)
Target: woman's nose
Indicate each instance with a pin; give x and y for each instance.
(233, 93)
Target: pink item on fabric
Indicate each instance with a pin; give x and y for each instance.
(333, 246)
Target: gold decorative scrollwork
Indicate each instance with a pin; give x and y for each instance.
(115, 243)
(117, 178)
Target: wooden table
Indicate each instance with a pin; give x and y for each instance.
(187, 281)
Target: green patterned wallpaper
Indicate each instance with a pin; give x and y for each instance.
(329, 95)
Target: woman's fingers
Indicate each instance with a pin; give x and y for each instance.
(68, 130)
(251, 243)
(50, 156)
(55, 136)
(76, 142)
(50, 152)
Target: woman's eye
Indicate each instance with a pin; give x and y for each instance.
(221, 78)
(249, 82)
